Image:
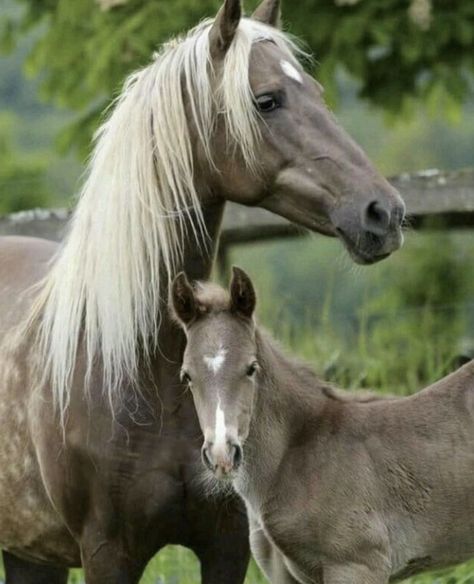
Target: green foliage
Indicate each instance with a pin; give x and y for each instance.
(399, 51)
(22, 177)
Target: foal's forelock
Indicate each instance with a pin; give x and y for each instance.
(138, 203)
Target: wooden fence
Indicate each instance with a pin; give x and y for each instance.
(434, 199)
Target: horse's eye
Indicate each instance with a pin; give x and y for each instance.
(267, 103)
(251, 369)
(185, 377)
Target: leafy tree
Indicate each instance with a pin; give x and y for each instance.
(398, 50)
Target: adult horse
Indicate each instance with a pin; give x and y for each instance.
(97, 464)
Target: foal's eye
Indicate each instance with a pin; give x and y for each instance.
(185, 377)
(267, 103)
(251, 369)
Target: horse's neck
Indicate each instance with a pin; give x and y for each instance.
(198, 260)
(286, 401)
(197, 263)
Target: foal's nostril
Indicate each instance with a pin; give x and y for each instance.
(237, 455)
(206, 458)
(377, 218)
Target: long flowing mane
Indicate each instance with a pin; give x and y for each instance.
(137, 205)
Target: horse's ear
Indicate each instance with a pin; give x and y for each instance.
(242, 293)
(269, 12)
(224, 28)
(183, 300)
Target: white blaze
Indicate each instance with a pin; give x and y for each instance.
(220, 429)
(291, 71)
(216, 362)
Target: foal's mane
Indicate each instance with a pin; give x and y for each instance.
(137, 206)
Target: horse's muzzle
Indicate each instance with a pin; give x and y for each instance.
(371, 233)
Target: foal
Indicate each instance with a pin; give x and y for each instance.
(338, 490)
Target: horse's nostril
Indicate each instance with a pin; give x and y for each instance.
(377, 218)
(237, 455)
(206, 458)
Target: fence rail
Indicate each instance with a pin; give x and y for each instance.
(435, 200)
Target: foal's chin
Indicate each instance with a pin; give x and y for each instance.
(214, 486)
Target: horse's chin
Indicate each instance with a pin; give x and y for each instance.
(371, 252)
(364, 259)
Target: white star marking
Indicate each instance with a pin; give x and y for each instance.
(291, 71)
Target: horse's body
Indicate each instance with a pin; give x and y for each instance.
(337, 490)
(135, 475)
(98, 464)
(22, 262)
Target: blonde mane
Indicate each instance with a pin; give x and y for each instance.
(138, 204)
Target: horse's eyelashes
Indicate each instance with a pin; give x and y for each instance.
(268, 102)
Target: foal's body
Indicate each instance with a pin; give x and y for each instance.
(338, 490)
(346, 492)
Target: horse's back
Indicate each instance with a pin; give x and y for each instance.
(23, 262)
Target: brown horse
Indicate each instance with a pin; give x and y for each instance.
(97, 464)
(338, 490)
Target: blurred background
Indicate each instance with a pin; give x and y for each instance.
(399, 75)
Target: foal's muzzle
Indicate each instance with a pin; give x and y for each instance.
(222, 461)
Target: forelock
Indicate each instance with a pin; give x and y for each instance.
(211, 298)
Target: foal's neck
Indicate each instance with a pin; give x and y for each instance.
(289, 398)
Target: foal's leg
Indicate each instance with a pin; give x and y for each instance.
(21, 572)
(268, 557)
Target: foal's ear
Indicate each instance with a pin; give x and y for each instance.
(183, 300)
(242, 293)
(224, 28)
(269, 12)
